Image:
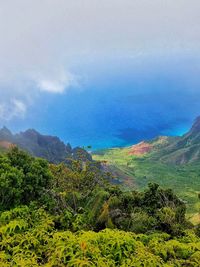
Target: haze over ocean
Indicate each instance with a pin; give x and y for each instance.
(124, 101)
(100, 73)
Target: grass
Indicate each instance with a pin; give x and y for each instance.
(184, 180)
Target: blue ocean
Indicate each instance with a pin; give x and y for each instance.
(119, 103)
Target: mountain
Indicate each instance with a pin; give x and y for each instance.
(185, 149)
(172, 162)
(178, 150)
(44, 146)
(172, 150)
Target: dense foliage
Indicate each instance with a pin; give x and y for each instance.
(138, 171)
(70, 215)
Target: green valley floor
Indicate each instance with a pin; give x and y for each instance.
(137, 171)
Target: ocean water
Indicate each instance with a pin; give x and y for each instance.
(106, 118)
(120, 103)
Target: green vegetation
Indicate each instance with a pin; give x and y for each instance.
(70, 215)
(173, 162)
(34, 241)
(144, 169)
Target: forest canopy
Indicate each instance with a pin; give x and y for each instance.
(69, 214)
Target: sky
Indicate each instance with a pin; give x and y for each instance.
(101, 73)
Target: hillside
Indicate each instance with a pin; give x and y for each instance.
(69, 214)
(58, 215)
(186, 149)
(44, 146)
(172, 150)
(170, 161)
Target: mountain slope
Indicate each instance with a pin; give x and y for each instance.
(186, 149)
(44, 146)
(172, 150)
(172, 162)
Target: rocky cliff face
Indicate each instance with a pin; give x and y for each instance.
(44, 146)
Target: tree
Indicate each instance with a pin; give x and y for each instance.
(23, 178)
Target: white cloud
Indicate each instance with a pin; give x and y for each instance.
(58, 84)
(12, 109)
(19, 107)
(51, 86)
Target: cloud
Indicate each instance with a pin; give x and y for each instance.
(59, 84)
(44, 43)
(19, 92)
(12, 109)
(52, 86)
(40, 35)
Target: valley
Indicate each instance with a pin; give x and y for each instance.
(172, 162)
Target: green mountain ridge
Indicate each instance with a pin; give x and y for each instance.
(185, 149)
(43, 146)
(172, 162)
